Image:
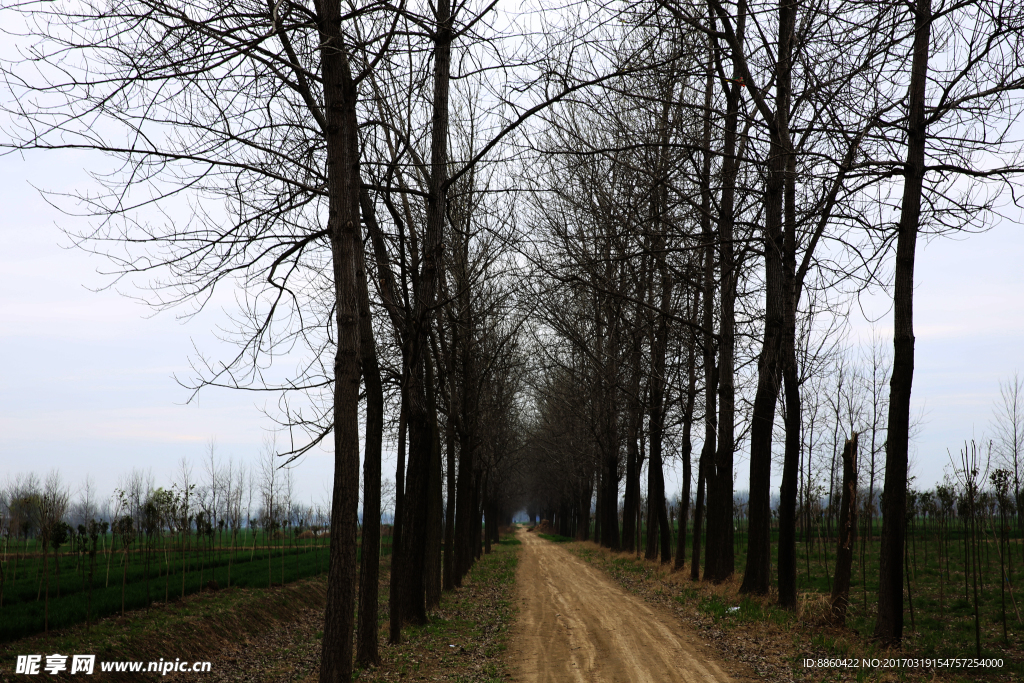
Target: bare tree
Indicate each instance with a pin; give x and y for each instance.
(53, 507)
(1008, 428)
(270, 493)
(877, 368)
(968, 93)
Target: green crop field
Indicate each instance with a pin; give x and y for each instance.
(38, 592)
(963, 583)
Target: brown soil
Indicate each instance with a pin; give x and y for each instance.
(576, 624)
(544, 527)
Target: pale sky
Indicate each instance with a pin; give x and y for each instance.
(86, 381)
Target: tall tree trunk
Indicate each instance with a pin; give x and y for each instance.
(463, 345)
(847, 534)
(415, 521)
(633, 462)
(658, 498)
(608, 447)
(687, 445)
(464, 506)
(610, 484)
(343, 185)
(889, 627)
(698, 512)
(598, 499)
(449, 508)
(421, 423)
(489, 521)
(396, 587)
(653, 518)
(791, 458)
(724, 455)
(657, 420)
(367, 645)
(480, 503)
(432, 553)
(713, 479)
(662, 309)
(756, 577)
(583, 522)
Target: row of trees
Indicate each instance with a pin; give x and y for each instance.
(40, 518)
(323, 143)
(589, 226)
(148, 533)
(229, 498)
(700, 231)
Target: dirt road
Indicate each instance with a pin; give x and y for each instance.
(575, 624)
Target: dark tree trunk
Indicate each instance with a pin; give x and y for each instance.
(449, 510)
(343, 187)
(491, 524)
(583, 521)
(847, 534)
(417, 513)
(661, 511)
(478, 504)
(756, 577)
(609, 477)
(725, 565)
(432, 552)
(698, 513)
(609, 494)
(687, 445)
(659, 343)
(791, 461)
(396, 588)
(691, 387)
(633, 462)
(464, 507)
(653, 519)
(656, 490)
(889, 627)
(367, 646)
(487, 524)
(788, 491)
(714, 481)
(657, 420)
(462, 342)
(415, 510)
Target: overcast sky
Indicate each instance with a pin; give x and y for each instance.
(86, 381)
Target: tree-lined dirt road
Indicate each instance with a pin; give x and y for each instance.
(575, 624)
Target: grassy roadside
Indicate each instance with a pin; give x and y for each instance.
(196, 628)
(774, 641)
(467, 635)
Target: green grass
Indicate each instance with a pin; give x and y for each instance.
(728, 614)
(468, 634)
(943, 601)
